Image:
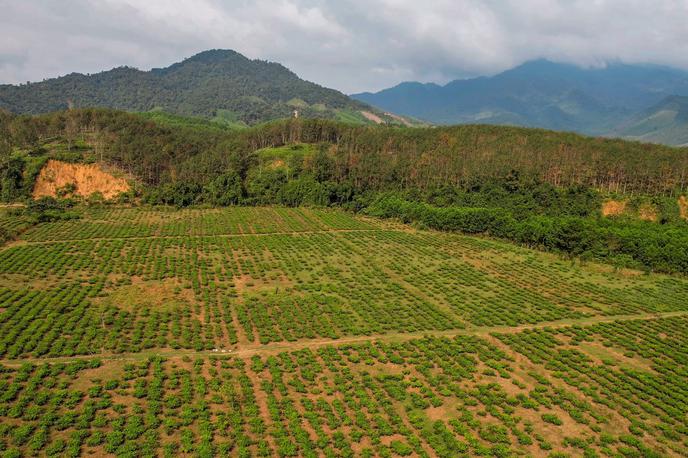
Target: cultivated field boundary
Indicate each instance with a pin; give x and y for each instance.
(248, 350)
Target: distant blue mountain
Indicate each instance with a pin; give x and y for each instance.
(666, 122)
(539, 93)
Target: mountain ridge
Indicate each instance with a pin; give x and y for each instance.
(665, 122)
(221, 84)
(540, 93)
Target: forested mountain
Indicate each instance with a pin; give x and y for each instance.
(220, 84)
(666, 122)
(540, 93)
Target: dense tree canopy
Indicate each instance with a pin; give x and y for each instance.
(366, 157)
(219, 84)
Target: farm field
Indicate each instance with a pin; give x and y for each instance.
(311, 332)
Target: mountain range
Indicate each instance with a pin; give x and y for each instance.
(216, 84)
(643, 102)
(596, 101)
(665, 122)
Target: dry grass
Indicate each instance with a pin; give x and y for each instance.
(683, 207)
(647, 212)
(614, 207)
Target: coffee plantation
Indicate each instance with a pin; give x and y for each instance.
(270, 331)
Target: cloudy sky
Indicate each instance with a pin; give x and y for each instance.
(351, 45)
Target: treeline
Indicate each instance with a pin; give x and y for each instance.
(662, 248)
(150, 152)
(421, 158)
(373, 158)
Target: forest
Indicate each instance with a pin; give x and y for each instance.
(367, 157)
(219, 84)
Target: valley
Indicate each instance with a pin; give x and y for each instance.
(176, 286)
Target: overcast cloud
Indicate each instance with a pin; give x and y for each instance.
(351, 45)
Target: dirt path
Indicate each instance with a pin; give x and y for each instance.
(249, 349)
(193, 236)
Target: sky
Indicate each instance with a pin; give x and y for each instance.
(350, 45)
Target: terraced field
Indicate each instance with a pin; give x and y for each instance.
(305, 332)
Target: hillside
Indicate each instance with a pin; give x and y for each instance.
(372, 158)
(539, 94)
(218, 84)
(666, 122)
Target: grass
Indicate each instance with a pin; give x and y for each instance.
(353, 117)
(282, 155)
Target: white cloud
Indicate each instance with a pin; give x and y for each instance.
(351, 45)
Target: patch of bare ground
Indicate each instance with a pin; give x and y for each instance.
(148, 293)
(372, 117)
(616, 424)
(683, 207)
(386, 440)
(614, 207)
(600, 354)
(647, 212)
(387, 368)
(108, 370)
(401, 119)
(85, 179)
(14, 243)
(443, 412)
(364, 443)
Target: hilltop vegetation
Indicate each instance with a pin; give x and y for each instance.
(222, 85)
(364, 157)
(309, 331)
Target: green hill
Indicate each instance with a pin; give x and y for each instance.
(162, 149)
(219, 84)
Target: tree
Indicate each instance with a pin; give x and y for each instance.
(11, 177)
(227, 189)
(322, 165)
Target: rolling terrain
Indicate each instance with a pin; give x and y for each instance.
(595, 101)
(218, 258)
(491, 291)
(221, 85)
(666, 122)
(300, 332)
